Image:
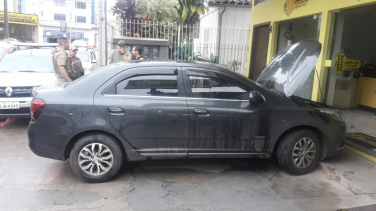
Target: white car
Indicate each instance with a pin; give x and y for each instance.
(80, 43)
(20, 72)
(12, 40)
(88, 59)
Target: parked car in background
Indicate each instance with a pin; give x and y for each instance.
(152, 110)
(5, 48)
(12, 40)
(80, 43)
(88, 59)
(20, 72)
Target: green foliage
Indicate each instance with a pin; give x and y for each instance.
(189, 11)
(214, 59)
(181, 11)
(156, 10)
(233, 65)
(124, 9)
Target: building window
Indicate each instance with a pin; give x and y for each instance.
(60, 3)
(80, 5)
(20, 6)
(81, 19)
(59, 17)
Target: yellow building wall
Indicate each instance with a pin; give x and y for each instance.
(367, 96)
(273, 11)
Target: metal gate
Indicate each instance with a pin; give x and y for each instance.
(227, 46)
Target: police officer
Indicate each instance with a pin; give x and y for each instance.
(78, 70)
(61, 63)
(137, 53)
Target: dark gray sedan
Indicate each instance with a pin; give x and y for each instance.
(162, 110)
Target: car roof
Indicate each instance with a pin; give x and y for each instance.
(151, 63)
(37, 44)
(169, 63)
(33, 52)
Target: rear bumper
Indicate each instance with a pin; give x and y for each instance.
(22, 112)
(47, 141)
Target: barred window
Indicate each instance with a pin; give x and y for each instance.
(59, 17)
(80, 5)
(81, 19)
(60, 3)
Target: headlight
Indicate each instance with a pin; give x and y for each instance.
(334, 113)
(34, 91)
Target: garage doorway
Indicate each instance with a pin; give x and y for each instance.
(354, 37)
(293, 31)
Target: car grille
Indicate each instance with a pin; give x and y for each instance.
(25, 91)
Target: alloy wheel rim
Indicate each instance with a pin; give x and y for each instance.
(95, 159)
(304, 153)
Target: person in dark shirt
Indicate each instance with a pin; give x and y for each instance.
(137, 53)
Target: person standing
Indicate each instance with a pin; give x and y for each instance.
(61, 62)
(137, 53)
(78, 69)
(119, 54)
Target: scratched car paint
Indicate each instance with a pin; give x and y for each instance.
(163, 110)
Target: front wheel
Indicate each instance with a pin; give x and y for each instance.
(96, 158)
(299, 152)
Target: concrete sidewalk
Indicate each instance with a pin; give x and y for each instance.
(352, 171)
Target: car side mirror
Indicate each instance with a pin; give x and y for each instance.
(94, 61)
(255, 97)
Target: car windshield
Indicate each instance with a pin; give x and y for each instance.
(26, 63)
(83, 55)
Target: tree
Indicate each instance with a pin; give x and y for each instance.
(156, 10)
(124, 9)
(189, 11)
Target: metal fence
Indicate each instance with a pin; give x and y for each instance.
(227, 46)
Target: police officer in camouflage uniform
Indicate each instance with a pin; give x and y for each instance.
(62, 65)
(78, 69)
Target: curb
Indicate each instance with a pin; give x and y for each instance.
(362, 151)
(331, 174)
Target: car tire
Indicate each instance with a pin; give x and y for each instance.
(296, 157)
(96, 158)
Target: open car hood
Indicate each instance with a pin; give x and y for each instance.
(290, 68)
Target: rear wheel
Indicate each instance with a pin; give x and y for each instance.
(96, 158)
(299, 152)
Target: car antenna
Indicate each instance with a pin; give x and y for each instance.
(317, 74)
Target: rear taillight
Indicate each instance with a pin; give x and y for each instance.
(36, 108)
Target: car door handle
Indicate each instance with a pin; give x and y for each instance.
(115, 110)
(201, 111)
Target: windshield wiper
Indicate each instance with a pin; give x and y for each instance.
(26, 71)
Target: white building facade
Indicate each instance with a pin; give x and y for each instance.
(224, 33)
(79, 17)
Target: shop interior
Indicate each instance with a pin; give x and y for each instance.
(354, 35)
(21, 32)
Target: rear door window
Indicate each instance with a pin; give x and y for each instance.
(149, 85)
(217, 88)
